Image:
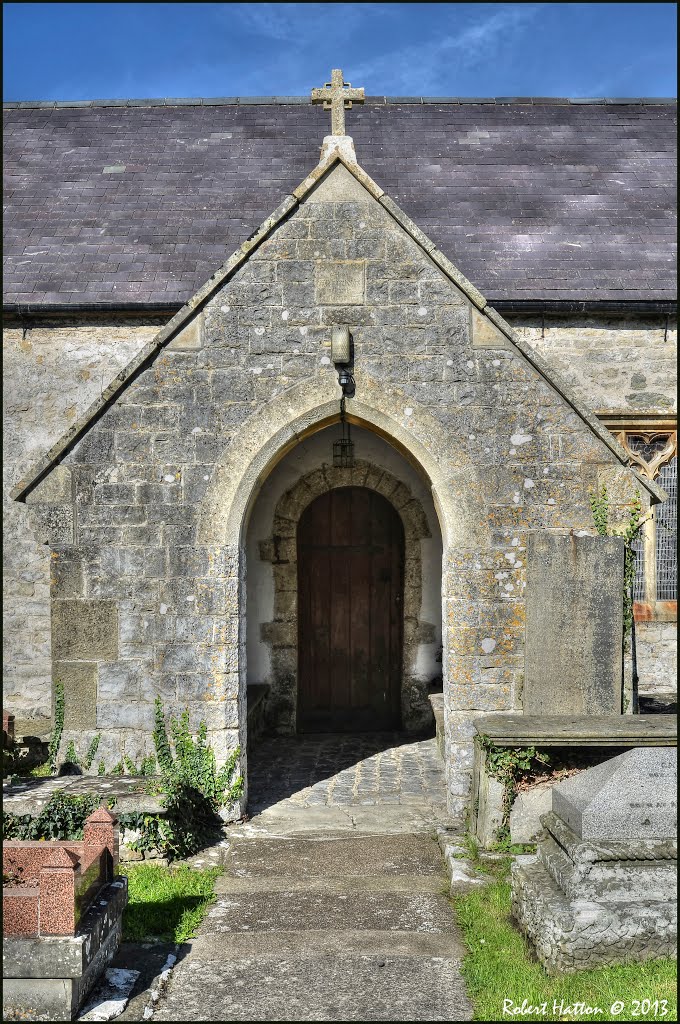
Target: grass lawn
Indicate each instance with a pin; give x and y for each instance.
(500, 965)
(166, 903)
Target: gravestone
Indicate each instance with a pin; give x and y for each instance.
(601, 888)
(574, 625)
(632, 796)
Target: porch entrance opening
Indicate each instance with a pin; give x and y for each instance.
(350, 546)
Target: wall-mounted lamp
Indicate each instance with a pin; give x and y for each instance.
(341, 349)
(341, 354)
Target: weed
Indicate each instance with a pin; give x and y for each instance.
(599, 504)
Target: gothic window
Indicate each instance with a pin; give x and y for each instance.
(652, 446)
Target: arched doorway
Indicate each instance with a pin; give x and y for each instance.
(350, 552)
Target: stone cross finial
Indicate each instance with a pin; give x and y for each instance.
(337, 96)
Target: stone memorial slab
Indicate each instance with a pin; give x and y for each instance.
(341, 283)
(574, 625)
(632, 796)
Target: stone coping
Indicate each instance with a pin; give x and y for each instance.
(579, 730)
(29, 796)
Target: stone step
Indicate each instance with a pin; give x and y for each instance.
(408, 815)
(315, 942)
(337, 857)
(318, 909)
(343, 985)
(225, 885)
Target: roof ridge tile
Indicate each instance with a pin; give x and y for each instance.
(296, 100)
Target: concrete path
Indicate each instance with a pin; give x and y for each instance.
(323, 917)
(325, 928)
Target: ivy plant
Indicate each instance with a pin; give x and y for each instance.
(509, 765)
(192, 787)
(58, 728)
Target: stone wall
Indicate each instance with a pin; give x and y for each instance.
(613, 364)
(53, 369)
(657, 663)
(146, 513)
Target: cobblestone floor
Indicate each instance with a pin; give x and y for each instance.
(348, 770)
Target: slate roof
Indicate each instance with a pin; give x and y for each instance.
(118, 203)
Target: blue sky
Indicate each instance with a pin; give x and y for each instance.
(86, 51)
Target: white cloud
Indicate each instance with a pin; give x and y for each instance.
(298, 23)
(424, 67)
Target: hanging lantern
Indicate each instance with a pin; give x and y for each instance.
(343, 448)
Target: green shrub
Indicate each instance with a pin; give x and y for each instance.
(195, 789)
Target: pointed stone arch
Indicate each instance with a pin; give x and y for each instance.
(281, 551)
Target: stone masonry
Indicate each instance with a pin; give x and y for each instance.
(145, 512)
(53, 370)
(620, 364)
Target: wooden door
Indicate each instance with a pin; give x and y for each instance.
(350, 613)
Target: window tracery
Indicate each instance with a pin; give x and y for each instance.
(653, 450)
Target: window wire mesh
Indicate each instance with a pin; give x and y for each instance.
(666, 516)
(639, 581)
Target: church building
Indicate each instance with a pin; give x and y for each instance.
(285, 424)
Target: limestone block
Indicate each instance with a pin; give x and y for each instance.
(341, 283)
(53, 524)
(66, 575)
(190, 337)
(574, 624)
(526, 811)
(84, 630)
(339, 186)
(489, 809)
(484, 333)
(79, 680)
